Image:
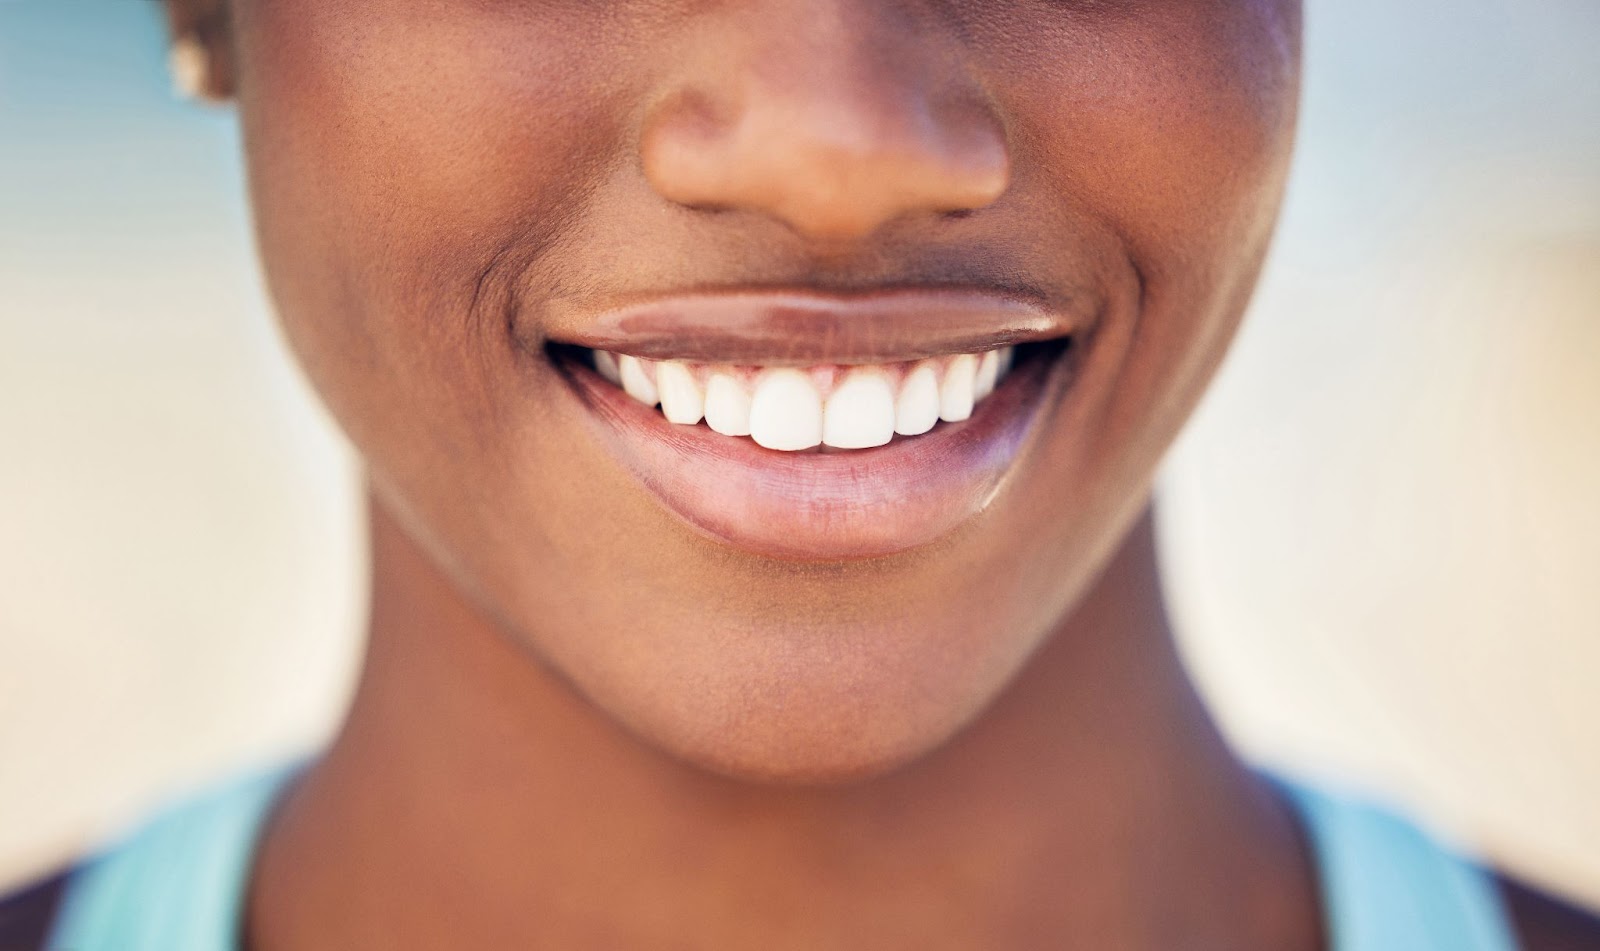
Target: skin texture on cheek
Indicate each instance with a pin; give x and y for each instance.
(1173, 123)
(432, 179)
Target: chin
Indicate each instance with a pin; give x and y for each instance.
(813, 708)
(810, 754)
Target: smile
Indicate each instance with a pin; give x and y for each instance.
(818, 428)
(797, 408)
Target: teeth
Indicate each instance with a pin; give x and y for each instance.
(727, 404)
(844, 407)
(918, 407)
(681, 401)
(786, 411)
(955, 392)
(860, 411)
(636, 380)
(606, 365)
(1004, 361)
(988, 374)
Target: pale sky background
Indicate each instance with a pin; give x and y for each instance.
(1383, 529)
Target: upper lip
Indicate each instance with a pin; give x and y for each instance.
(803, 327)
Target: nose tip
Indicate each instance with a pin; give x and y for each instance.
(833, 158)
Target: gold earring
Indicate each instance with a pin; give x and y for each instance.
(190, 65)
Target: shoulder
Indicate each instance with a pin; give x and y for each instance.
(1546, 923)
(1370, 854)
(176, 877)
(26, 914)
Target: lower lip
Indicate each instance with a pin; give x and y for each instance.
(825, 506)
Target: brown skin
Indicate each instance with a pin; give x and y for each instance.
(580, 723)
(425, 174)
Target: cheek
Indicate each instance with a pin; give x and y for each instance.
(395, 146)
(402, 103)
(1171, 122)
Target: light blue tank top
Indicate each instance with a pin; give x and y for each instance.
(178, 883)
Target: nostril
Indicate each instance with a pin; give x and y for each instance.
(835, 157)
(681, 149)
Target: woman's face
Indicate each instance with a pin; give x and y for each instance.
(459, 200)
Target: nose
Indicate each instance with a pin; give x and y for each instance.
(827, 115)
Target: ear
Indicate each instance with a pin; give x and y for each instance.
(202, 48)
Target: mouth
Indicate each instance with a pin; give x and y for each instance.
(808, 427)
(820, 407)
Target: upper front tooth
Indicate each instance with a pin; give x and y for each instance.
(917, 409)
(988, 374)
(785, 412)
(636, 380)
(605, 363)
(727, 404)
(681, 401)
(860, 411)
(955, 393)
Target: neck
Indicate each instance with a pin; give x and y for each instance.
(473, 799)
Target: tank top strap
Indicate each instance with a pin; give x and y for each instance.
(1387, 886)
(177, 884)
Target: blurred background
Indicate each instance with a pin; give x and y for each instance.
(1383, 528)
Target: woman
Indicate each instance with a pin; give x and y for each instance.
(759, 403)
